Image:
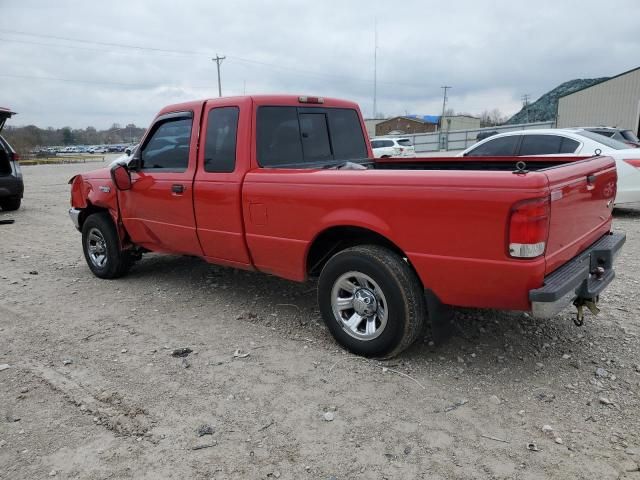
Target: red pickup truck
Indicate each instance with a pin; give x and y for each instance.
(287, 185)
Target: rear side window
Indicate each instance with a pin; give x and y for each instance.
(168, 148)
(278, 135)
(569, 145)
(497, 147)
(291, 136)
(220, 143)
(540, 144)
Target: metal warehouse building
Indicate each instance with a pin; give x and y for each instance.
(612, 103)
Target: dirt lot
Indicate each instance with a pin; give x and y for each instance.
(93, 392)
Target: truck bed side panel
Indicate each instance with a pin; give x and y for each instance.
(451, 225)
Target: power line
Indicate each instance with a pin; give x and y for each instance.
(88, 49)
(97, 82)
(105, 44)
(192, 53)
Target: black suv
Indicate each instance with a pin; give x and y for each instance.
(11, 184)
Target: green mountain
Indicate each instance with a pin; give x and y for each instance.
(544, 109)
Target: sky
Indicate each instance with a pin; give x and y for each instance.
(86, 63)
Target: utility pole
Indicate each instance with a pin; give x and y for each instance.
(444, 106)
(525, 105)
(218, 61)
(375, 68)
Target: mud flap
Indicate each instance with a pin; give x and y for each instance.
(440, 318)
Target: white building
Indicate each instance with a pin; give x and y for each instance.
(612, 103)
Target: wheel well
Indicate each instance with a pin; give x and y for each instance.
(336, 239)
(90, 209)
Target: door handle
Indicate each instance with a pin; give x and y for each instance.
(591, 178)
(177, 188)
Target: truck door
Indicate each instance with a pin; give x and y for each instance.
(158, 210)
(223, 162)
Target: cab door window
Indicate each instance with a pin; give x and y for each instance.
(168, 148)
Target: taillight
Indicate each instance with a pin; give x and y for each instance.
(529, 228)
(633, 162)
(16, 157)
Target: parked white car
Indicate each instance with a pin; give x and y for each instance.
(392, 147)
(567, 142)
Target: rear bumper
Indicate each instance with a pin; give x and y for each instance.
(11, 186)
(578, 277)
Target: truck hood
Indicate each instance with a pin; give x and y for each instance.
(4, 114)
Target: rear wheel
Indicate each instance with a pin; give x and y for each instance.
(10, 204)
(101, 247)
(371, 301)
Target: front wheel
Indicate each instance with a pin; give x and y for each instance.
(371, 301)
(101, 247)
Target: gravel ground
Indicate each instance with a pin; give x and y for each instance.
(92, 390)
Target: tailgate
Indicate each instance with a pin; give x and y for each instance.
(582, 196)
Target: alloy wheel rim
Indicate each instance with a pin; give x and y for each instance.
(359, 305)
(97, 248)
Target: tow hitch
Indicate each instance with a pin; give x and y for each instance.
(580, 303)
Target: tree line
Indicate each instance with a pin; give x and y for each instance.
(27, 138)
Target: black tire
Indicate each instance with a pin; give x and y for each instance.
(10, 204)
(99, 231)
(401, 291)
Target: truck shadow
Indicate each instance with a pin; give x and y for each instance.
(486, 343)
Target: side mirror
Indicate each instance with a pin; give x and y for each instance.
(121, 177)
(127, 151)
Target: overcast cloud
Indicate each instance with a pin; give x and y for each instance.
(491, 53)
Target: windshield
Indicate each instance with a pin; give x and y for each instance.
(609, 142)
